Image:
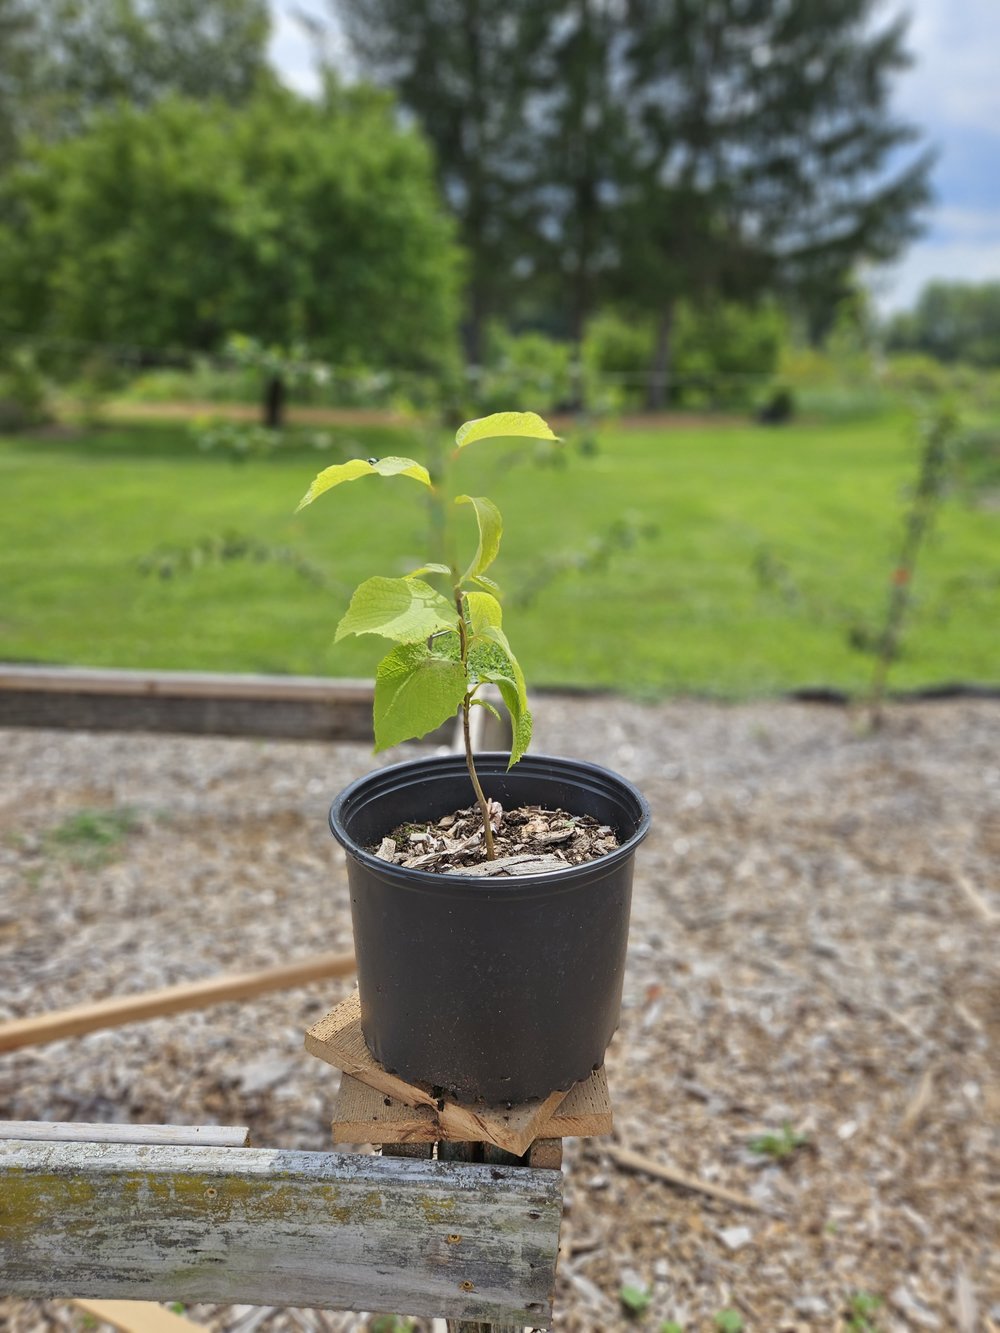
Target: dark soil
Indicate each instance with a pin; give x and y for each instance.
(529, 840)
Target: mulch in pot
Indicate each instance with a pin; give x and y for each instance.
(529, 840)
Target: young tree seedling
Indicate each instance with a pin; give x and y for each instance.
(447, 647)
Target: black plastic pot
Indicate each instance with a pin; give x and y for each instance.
(487, 988)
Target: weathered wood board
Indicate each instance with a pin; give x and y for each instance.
(362, 1114)
(48, 1131)
(339, 1041)
(274, 1227)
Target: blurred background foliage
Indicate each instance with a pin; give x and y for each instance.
(653, 218)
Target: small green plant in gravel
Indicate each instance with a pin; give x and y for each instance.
(636, 1300)
(671, 1326)
(779, 1146)
(862, 1312)
(448, 644)
(92, 837)
(729, 1321)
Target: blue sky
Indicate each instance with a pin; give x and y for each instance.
(952, 93)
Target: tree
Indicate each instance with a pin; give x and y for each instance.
(292, 221)
(460, 68)
(97, 52)
(763, 138)
(952, 321)
(646, 150)
(18, 58)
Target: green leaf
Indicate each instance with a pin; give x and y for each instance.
(490, 530)
(428, 569)
(504, 425)
(484, 612)
(491, 660)
(485, 703)
(729, 1321)
(415, 691)
(486, 583)
(635, 1299)
(407, 610)
(671, 1326)
(361, 467)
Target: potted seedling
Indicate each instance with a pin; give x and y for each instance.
(489, 966)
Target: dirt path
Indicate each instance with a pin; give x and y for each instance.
(814, 946)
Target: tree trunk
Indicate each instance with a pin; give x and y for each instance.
(659, 381)
(274, 402)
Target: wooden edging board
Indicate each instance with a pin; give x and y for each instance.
(196, 703)
(276, 1227)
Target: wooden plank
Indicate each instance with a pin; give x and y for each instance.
(190, 702)
(45, 1131)
(138, 1316)
(120, 1009)
(276, 1227)
(339, 1041)
(363, 1114)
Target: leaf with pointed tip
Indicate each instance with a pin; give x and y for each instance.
(486, 583)
(362, 467)
(491, 659)
(484, 611)
(415, 692)
(485, 703)
(504, 425)
(407, 610)
(427, 569)
(490, 530)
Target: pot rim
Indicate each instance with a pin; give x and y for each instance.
(566, 878)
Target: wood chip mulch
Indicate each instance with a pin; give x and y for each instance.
(528, 841)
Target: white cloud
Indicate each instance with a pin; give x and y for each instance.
(955, 79)
(971, 260)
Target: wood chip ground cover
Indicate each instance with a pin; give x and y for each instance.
(812, 1002)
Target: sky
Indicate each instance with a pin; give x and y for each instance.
(952, 94)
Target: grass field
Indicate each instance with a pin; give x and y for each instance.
(769, 545)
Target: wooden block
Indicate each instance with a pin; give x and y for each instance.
(138, 1316)
(44, 1131)
(362, 1114)
(339, 1041)
(546, 1155)
(279, 1228)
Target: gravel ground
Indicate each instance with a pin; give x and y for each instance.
(814, 946)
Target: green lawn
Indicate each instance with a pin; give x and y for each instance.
(819, 506)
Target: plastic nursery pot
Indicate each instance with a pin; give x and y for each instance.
(489, 989)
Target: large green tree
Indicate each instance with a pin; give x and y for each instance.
(657, 149)
(289, 220)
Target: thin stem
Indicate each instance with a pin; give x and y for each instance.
(484, 805)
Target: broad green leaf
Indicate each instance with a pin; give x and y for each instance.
(503, 425)
(362, 467)
(493, 634)
(415, 691)
(490, 530)
(491, 659)
(520, 713)
(428, 569)
(407, 610)
(484, 611)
